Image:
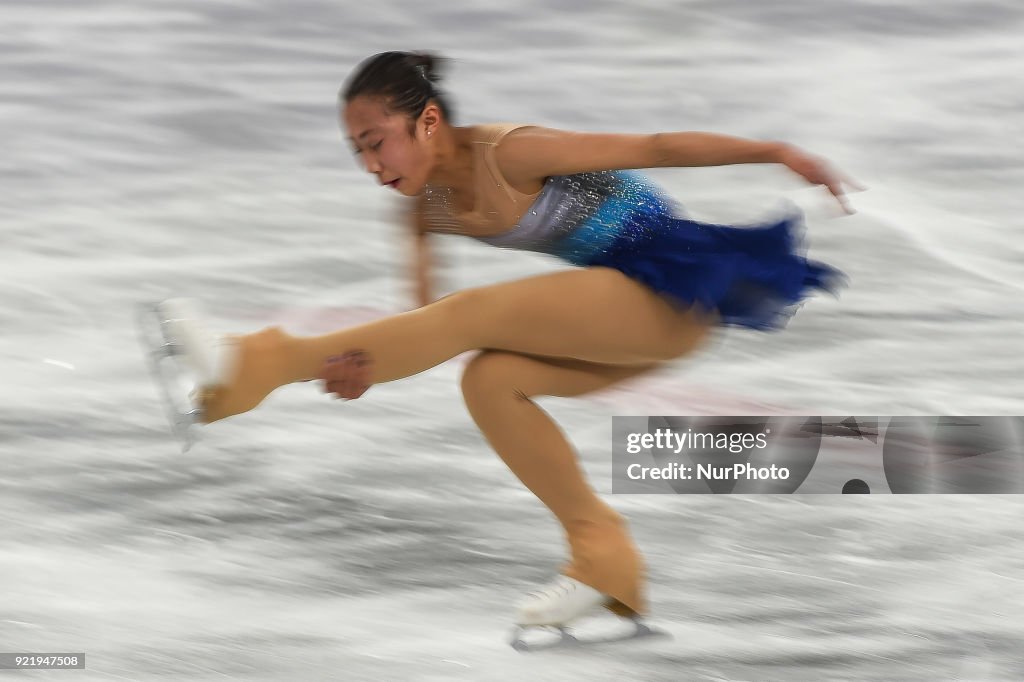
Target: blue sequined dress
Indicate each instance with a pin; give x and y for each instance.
(754, 276)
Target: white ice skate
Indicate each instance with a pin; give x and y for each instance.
(184, 357)
(552, 610)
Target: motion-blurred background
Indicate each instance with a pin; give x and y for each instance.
(156, 148)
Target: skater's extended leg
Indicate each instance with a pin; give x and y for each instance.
(497, 387)
(593, 314)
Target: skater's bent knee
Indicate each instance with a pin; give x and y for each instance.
(493, 372)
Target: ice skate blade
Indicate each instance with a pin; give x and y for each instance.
(163, 355)
(568, 637)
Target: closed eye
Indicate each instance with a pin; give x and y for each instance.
(374, 147)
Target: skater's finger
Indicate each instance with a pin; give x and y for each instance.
(837, 191)
(854, 185)
(336, 367)
(343, 365)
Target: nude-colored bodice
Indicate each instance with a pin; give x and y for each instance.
(497, 205)
(573, 216)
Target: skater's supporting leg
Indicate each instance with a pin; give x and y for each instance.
(497, 387)
(594, 314)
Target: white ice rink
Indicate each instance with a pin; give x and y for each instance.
(191, 148)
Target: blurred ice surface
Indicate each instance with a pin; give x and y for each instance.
(191, 148)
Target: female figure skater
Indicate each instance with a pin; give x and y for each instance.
(649, 287)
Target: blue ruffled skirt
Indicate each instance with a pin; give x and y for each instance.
(754, 276)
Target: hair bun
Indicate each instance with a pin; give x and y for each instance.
(406, 81)
(428, 64)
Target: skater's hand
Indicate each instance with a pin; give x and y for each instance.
(346, 376)
(818, 171)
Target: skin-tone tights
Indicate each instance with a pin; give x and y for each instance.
(561, 334)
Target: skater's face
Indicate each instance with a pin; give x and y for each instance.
(383, 142)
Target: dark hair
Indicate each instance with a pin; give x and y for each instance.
(405, 80)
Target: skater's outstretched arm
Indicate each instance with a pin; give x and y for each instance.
(535, 152)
